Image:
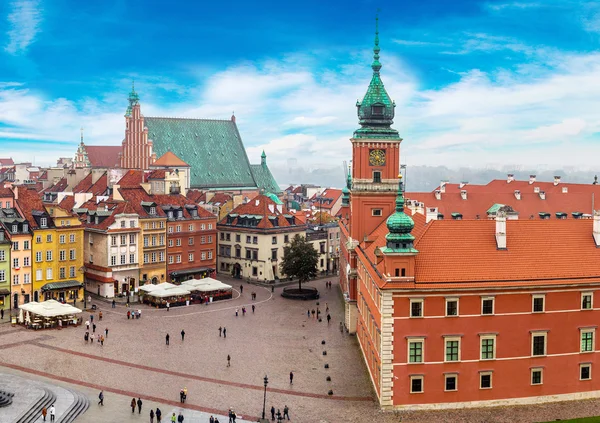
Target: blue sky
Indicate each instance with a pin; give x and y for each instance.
(476, 83)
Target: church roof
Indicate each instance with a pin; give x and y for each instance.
(264, 178)
(169, 160)
(105, 156)
(213, 149)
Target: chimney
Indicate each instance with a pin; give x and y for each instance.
(463, 184)
(596, 230)
(517, 194)
(565, 190)
(438, 194)
(463, 194)
(509, 178)
(536, 189)
(531, 179)
(501, 230)
(256, 202)
(443, 186)
(542, 195)
(272, 208)
(556, 180)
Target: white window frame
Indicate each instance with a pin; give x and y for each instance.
(583, 294)
(49, 275)
(62, 255)
(582, 365)
(411, 340)
(171, 259)
(71, 237)
(49, 255)
(410, 310)
(536, 369)
(39, 256)
(449, 375)
(538, 296)
(545, 335)
(587, 330)
(452, 339)
(451, 299)
(481, 339)
(417, 377)
(377, 212)
(486, 373)
(190, 257)
(72, 271)
(62, 239)
(72, 254)
(39, 275)
(493, 305)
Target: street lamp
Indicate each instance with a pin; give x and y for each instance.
(82, 269)
(266, 380)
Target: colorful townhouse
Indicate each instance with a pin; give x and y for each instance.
(57, 241)
(5, 264)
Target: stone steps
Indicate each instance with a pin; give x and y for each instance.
(32, 414)
(6, 398)
(79, 406)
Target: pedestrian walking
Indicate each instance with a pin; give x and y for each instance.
(173, 418)
(87, 324)
(94, 328)
(182, 335)
(101, 398)
(224, 332)
(241, 289)
(92, 339)
(184, 394)
(167, 339)
(52, 411)
(181, 396)
(128, 314)
(2, 313)
(158, 415)
(180, 418)
(168, 307)
(44, 413)
(133, 405)
(286, 412)
(308, 313)
(92, 318)
(151, 415)
(243, 311)
(328, 318)
(236, 312)
(211, 420)
(228, 360)
(291, 377)
(114, 304)
(220, 331)
(278, 415)
(139, 404)
(341, 327)
(326, 308)
(313, 312)
(86, 337)
(100, 316)
(272, 413)
(253, 308)
(106, 332)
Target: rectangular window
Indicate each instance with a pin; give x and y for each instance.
(2, 255)
(238, 238)
(132, 258)
(170, 243)
(274, 240)
(452, 349)
(15, 246)
(416, 384)
(487, 305)
(376, 177)
(38, 275)
(49, 255)
(587, 340)
(72, 238)
(203, 227)
(62, 273)
(26, 278)
(451, 307)
(254, 271)
(153, 257)
(49, 274)
(38, 256)
(123, 239)
(161, 256)
(153, 241)
(210, 255)
(178, 228)
(415, 350)
(62, 255)
(416, 308)
(178, 242)
(132, 223)
(26, 245)
(255, 240)
(132, 239)
(376, 212)
(44, 223)
(488, 347)
(171, 259)
(191, 240)
(15, 279)
(145, 240)
(123, 259)
(16, 263)
(538, 303)
(451, 382)
(2, 275)
(178, 258)
(286, 239)
(170, 229)
(62, 239)
(202, 240)
(536, 376)
(585, 371)
(122, 223)
(587, 299)
(190, 228)
(203, 256)
(48, 238)
(113, 240)
(72, 271)
(485, 380)
(190, 257)
(26, 261)
(72, 254)
(38, 239)
(113, 260)
(274, 254)
(210, 239)
(538, 343)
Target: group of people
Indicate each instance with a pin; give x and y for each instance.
(134, 314)
(280, 417)
(51, 411)
(89, 337)
(318, 313)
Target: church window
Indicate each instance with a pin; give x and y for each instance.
(376, 177)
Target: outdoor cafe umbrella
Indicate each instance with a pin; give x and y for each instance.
(21, 316)
(27, 318)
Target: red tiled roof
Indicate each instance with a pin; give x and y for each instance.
(219, 198)
(263, 206)
(29, 200)
(328, 198)
(83, 185)
(157, 174)
(44, 175)
(6, 162)
(169, 159)
(135, 196)
(196, 196)
(106, 156)
(67, 203)
(122, 207)
(101, 185)
(5, 192)
(132, 178)
(465, 251)
(60, 186)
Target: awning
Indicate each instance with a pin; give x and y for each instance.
(61, 285)
(4, 291)
(188, 271)
(50, 308)
(99, 278)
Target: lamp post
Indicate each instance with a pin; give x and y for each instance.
(266, 380)
(82, 269)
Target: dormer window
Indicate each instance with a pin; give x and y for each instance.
(152, 210)
(43, 222)
(15, 228)
(25, 227)
(180, 213)
(377, 110)
(170, 214)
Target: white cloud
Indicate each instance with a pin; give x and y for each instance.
(24, 20)
(303, 121)
(513, 5)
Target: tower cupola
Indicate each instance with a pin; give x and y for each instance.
(399, 224)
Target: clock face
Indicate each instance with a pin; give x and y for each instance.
(377, 157)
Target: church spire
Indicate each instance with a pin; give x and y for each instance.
(81, 135)
(399, 224)
(134, 99)
(376, 66)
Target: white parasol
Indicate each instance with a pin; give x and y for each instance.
(27, 318)
(21, 316)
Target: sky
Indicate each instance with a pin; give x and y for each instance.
(476, 83)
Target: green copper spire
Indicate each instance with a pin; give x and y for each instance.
(376, 110)
(263, 158)
(399, 238)
(346, 189)
(134, 99)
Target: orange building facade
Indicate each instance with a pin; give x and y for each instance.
(462, 313)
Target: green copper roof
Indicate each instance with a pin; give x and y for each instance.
(376, 110)
(134, 99)
(494, 209)
(274, 198)
(295, 205)
(213, 149)
(399, 238)
(263, 176)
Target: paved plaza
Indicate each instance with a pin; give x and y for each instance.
(278, 338)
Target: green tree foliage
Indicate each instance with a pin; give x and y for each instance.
(300, 260)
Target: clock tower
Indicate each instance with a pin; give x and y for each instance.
(375, 156)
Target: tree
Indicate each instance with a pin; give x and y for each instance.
(300, 260)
